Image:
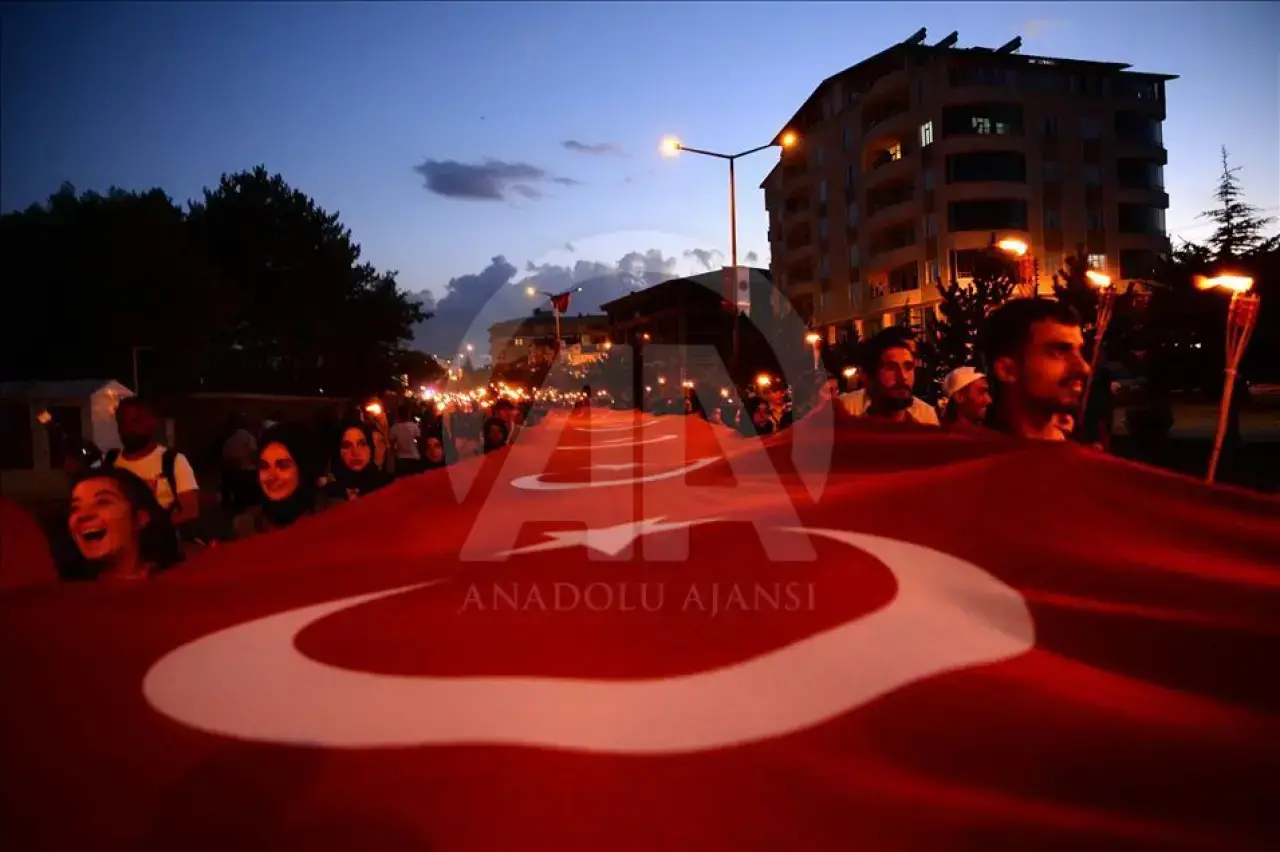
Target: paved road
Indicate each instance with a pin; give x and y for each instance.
(1259, 421)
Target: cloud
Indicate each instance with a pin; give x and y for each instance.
(706, 258)
(1039, 26)
(471, 303)
(490, 180)
(600, 149)
(752, 257)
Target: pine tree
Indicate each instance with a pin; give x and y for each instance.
(1238, 225)
(964, 308)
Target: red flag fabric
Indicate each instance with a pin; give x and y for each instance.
(653, 634)
(561, 303)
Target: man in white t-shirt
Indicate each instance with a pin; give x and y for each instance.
(175, 489)
(404, 436)
(889, 366)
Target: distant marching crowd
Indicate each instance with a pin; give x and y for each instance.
(136, 511)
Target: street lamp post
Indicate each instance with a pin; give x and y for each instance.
(672, 146)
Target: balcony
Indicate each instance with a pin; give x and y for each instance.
(887, 162)
(799, 239)
(885, 198)
(1150, 196)
(797, 204)
(898, 255)
(879, 304)
(880, 116)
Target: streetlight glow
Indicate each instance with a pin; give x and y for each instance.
(849, 372)
(789, 139)
(763, 380)
(470, 348)
(529, 291)
(812, 338)
(669, 146)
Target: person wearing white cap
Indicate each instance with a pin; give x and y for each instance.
(968, 396)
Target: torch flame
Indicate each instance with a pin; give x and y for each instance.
(1235, 283)
(1098, 279)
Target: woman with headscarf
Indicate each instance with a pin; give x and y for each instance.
(496, 434)
(119, 530)
(352, 471)
(436, 448)
(286, 480)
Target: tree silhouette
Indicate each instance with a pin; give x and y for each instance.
(253, 288)
(964, 308)
(1238, 227)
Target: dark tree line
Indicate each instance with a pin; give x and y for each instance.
(252, 287)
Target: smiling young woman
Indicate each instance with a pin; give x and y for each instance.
(119, 530)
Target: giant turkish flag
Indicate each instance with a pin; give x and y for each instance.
(649, 633)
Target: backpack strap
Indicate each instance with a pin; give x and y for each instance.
(167, 464)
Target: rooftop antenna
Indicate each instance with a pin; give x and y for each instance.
(949, 41)
(1011, 46)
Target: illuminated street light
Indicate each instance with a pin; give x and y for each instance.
(672, 146)
(850, 372)
(763, 380)
(470, 348)
(530, 292)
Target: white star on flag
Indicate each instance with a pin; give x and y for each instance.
(610, 540)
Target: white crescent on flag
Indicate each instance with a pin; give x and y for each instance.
(250, 681)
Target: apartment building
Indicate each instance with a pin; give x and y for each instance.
(911, 160)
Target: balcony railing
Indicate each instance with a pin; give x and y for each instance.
(883, 199)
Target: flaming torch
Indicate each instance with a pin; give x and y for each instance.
(1242, 316)
(1106, 302)
(814, 339)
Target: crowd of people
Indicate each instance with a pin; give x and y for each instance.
(137, 510)
(1036, 375)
